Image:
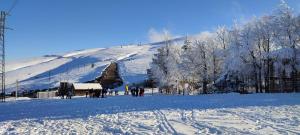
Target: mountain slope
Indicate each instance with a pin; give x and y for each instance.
(79, 66)
(82, 66)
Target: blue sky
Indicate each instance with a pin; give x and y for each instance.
(55, 26)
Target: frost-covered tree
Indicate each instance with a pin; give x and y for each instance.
(201, 60)
(252, 55)
(287, 36)
(223, 37)
(264, 35)
(165, 64)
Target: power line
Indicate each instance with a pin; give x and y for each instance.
(15, 2)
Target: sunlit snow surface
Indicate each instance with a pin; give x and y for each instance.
(203, 114)
(49, 70)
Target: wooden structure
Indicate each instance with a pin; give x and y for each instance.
(110, 77)
(82, 89)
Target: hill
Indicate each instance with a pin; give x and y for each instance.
(79, 66)
(82, 66)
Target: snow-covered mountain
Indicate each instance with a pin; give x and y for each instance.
(79, 66)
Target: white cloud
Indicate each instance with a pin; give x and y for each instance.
(157, 36)
(202, 36)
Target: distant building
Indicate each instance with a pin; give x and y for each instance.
(81, 89)
(46, 94)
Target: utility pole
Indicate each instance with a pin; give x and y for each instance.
(49, 84)
(2, 55)
(3, 15)
(17, 83)
(177, 87)
(49, 80)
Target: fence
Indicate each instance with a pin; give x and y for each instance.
(46, 94)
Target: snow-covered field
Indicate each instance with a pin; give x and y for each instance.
(204, 114)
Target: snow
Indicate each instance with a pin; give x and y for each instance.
(81, 66)
(158, 114)
(17, 99)
(49, 70)
(25, 63)
(87, 86)
(87, 51)
(134, 69)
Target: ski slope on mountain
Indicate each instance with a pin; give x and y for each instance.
(79, 66)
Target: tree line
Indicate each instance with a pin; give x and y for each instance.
(260, 55)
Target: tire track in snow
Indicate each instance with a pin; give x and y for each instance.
(163, 122)
(201, 127)
(263, 121)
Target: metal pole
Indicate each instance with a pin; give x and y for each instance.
(177, 91)
(48, 96)
(152, 91)
(2, 41)
(17, 89)
(49, 80)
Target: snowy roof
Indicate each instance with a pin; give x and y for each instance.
(87, 86)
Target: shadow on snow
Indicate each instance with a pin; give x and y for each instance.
(85, 107)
